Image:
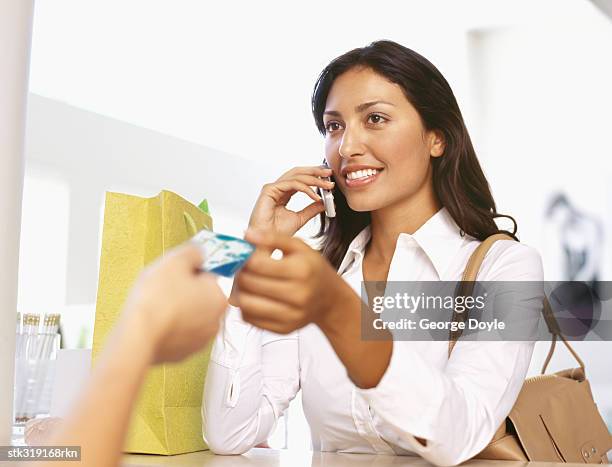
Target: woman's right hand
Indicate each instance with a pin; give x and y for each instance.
(270, 211)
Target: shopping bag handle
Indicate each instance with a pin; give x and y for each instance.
(190, 224)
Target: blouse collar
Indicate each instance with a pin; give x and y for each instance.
(439, 238)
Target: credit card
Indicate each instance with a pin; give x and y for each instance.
(223, 254)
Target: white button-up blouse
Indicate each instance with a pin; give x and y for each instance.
(456, 404)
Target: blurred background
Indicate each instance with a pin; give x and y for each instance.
(212, 100)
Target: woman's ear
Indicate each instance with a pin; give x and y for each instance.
(436, 144)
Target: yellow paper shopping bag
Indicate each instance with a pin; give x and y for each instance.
(167, 417)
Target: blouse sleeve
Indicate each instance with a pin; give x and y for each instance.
(457, 409)
(252, 376)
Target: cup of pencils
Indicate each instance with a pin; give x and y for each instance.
(36, 345)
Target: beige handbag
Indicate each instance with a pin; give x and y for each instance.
(555, 418)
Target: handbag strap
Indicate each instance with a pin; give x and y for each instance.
(467, 286)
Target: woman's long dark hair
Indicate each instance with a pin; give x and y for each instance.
(458, 180)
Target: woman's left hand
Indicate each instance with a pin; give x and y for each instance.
(282, 295)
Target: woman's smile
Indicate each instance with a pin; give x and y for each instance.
(361, 178)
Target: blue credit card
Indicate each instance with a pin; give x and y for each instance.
(223, 254)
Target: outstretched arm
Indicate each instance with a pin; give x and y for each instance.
(172, 311)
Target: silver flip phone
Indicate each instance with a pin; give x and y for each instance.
(327, 196)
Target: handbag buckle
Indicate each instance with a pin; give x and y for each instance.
(589, 453)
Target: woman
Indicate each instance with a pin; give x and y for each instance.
(412, 204)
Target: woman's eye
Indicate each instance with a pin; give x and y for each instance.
(375, 118)
(332, 126)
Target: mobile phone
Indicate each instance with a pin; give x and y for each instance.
(327, 196)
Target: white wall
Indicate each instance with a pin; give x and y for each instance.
(91, 154)
(237, 76)
(543, 100)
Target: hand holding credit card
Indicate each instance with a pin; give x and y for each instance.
(223, 254)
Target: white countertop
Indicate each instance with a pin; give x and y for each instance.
(289, 458)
